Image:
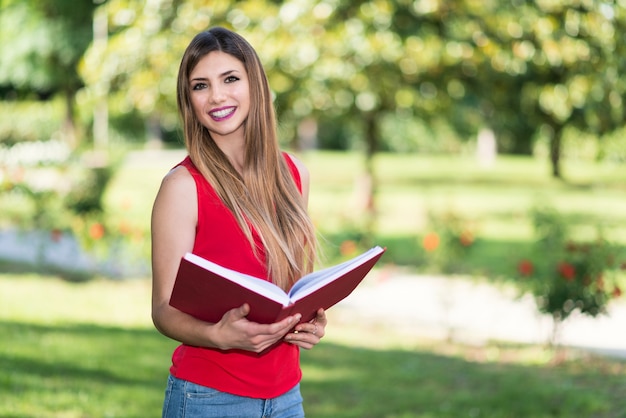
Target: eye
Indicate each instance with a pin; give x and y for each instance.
(198, 86)
(231, 79)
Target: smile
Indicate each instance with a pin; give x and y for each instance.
(222, 113)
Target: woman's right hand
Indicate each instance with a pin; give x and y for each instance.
(235, 331)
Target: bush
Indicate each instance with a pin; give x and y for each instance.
(29, 121)
(64, 197)
(566, 274)
(447, 242)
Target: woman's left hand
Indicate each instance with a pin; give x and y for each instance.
(308, 334)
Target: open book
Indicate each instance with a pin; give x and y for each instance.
(207, 290)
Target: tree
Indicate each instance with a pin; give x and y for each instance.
(521, 68)
(543, 64)
(43, 43)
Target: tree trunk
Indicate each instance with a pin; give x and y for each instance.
(555, 151)
(70, 133)
(371, 142)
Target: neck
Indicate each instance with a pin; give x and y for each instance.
(234, 150)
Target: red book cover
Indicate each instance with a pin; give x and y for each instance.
(207, 290)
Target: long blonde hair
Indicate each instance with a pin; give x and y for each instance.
(264, 198)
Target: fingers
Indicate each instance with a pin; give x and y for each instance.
(242, 311)
(237, 314)
(236, 331)
(258, 337)
(304, 339)
(268, 335)
(321, 317)
(307, 335)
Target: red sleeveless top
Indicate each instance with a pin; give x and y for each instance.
(239, 372)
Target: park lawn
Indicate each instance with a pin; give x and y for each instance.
(89, 350)
(410, 185)
(495, 201)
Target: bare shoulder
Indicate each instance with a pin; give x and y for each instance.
(177, 189)
(174, 216)
(177, 181)
(177, 177)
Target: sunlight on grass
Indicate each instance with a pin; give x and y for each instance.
(322, 374)
(89, 350)
(30, 299)
(410, 186)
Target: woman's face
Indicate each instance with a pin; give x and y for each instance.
(220, 95)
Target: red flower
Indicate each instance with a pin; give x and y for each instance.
(125, 228)
(567, 271)
(466, 238)
(525, 268)
(347, 248)
(430, 242)
(56, 235)
(96, 231)
(617, 292)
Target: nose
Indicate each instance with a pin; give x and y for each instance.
(217, 94)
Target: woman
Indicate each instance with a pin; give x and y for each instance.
(238, 201)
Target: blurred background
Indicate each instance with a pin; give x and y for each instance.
(480, 141)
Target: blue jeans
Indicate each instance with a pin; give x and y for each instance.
(184, 399)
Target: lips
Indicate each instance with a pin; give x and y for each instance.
(222, 113)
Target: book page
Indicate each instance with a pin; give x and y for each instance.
(318, 279)
(260, 286)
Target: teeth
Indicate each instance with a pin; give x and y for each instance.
(222, 113)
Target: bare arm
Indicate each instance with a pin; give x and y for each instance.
(174, 219)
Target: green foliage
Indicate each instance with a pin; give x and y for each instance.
(613, 147)
(28, 121)
(494, 202)
(447, 242)
(47, 41)
(405, 65)
(86, 194)
(62, 197)
(567, 274)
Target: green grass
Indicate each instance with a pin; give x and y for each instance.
(89, 350)
(411, 185)
(495, 201)
(79, 350)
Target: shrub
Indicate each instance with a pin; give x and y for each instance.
(63, 196)
(447, 242)
(567, 275)
(29, 121)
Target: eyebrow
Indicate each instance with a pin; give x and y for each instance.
(224, 74)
